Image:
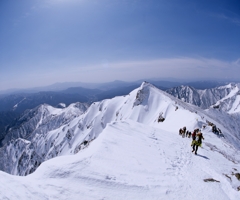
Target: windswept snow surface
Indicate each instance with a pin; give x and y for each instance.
(130, 160)
(129, 155)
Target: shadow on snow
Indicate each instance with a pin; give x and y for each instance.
(203, 156)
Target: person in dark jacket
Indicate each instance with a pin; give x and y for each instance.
(180, 131)
(183, 131)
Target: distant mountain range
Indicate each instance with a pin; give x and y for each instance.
(68, 93)
(13, 105)
(116, 84)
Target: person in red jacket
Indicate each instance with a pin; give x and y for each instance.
(194, 136)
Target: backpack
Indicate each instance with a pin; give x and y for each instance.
(194, 135)
(198, 137)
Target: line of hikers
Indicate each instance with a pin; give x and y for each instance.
(184, 133)
(197, 137)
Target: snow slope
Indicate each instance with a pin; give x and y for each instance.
(128, 154)
(130, 160)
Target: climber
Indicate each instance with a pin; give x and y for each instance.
(180, 131)
(214, 129)
(197, 142)
(189, 134)
(183, 131)
(194, 135)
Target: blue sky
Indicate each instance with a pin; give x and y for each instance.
(48, 41)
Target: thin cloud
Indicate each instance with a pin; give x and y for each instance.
(237, 62)
(183, 68)
(234, 20)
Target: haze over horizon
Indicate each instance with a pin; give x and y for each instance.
(48, 41)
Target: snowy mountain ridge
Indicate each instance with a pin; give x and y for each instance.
(34, 122)
(128, 145)
(43, 118)
(203, 98)
(231, 102)
(50, 132)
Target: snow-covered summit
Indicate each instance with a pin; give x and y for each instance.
(126, 147)
(53, 132)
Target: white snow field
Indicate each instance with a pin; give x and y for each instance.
(133, 156)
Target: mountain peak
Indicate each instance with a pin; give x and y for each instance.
(145, 84)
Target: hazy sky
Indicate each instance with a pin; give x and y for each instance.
(48, 41)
